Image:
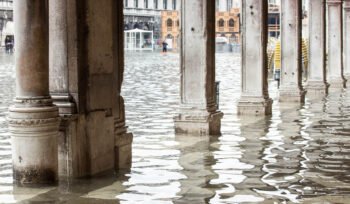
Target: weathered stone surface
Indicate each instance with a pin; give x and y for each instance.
(254, 96)
(291, 89)
(33, 120)
(317, 84)
(346, 40)
(198, 112)
(335, 45)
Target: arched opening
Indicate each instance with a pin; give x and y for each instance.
(221, 23)
(231, 23)
(169, 23)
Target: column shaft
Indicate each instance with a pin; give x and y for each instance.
(317, 45)
(198, 111)
(335, 44)
(255, 98)
(291, 70)
(123, 138)
(346, 40)
(58, 57)
(33, 120)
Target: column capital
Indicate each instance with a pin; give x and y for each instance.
(334, 2)
(346, 5)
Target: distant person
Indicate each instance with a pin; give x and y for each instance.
(165, 44)
(8, 44)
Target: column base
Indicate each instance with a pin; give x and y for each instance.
(254, 106)
(316, 88)
(123, 147)
(347, 80)
(291, 95)
(337, 83)
(33, 124)
(199, 124)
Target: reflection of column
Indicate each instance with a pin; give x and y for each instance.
(252, 130)
(291, 89)
(335, 48)
(197, 162)
(255, 98)
(33, 119)
(317, 45)
(198, 111)
(346, 40)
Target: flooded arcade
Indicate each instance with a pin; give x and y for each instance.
(82, 120)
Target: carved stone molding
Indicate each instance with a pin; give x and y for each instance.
(31, 122)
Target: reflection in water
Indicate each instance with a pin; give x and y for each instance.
(299, 154)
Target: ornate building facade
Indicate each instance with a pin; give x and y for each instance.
(146, 14)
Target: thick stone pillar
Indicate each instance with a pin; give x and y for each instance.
(291, 89)
(317, 84)
(335, 44)
(33, 120)
(254, 98)
(198, 110)
(346, 40)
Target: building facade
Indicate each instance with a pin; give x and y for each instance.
(170, 28)
(6, 20)
(228, 25)
(146, 14)
(274, 19)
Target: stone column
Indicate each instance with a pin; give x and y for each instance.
(317, 84)
(346, 40)
(198, 110)
(58, 56)
(33, 120)
(291, 68)
(60, 75)
(335, 44)
(123, 138)
(254, 97)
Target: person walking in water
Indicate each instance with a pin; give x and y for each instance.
(8, 44)
(165, 44)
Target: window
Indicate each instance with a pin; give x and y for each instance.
(156, 4)
(229, 5)
(146, 4)
(165, 4)
(174, 5)
(231, 23)
(169, 22)
(221, 23)
(126, 3)
(136, 3)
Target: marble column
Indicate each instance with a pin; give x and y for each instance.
(346, 40)
(254, 96)
(317, 84)
(335, 44)
(198, 111)
(291, 89)
(33, 120)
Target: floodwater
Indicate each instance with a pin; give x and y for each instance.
(299, 154)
